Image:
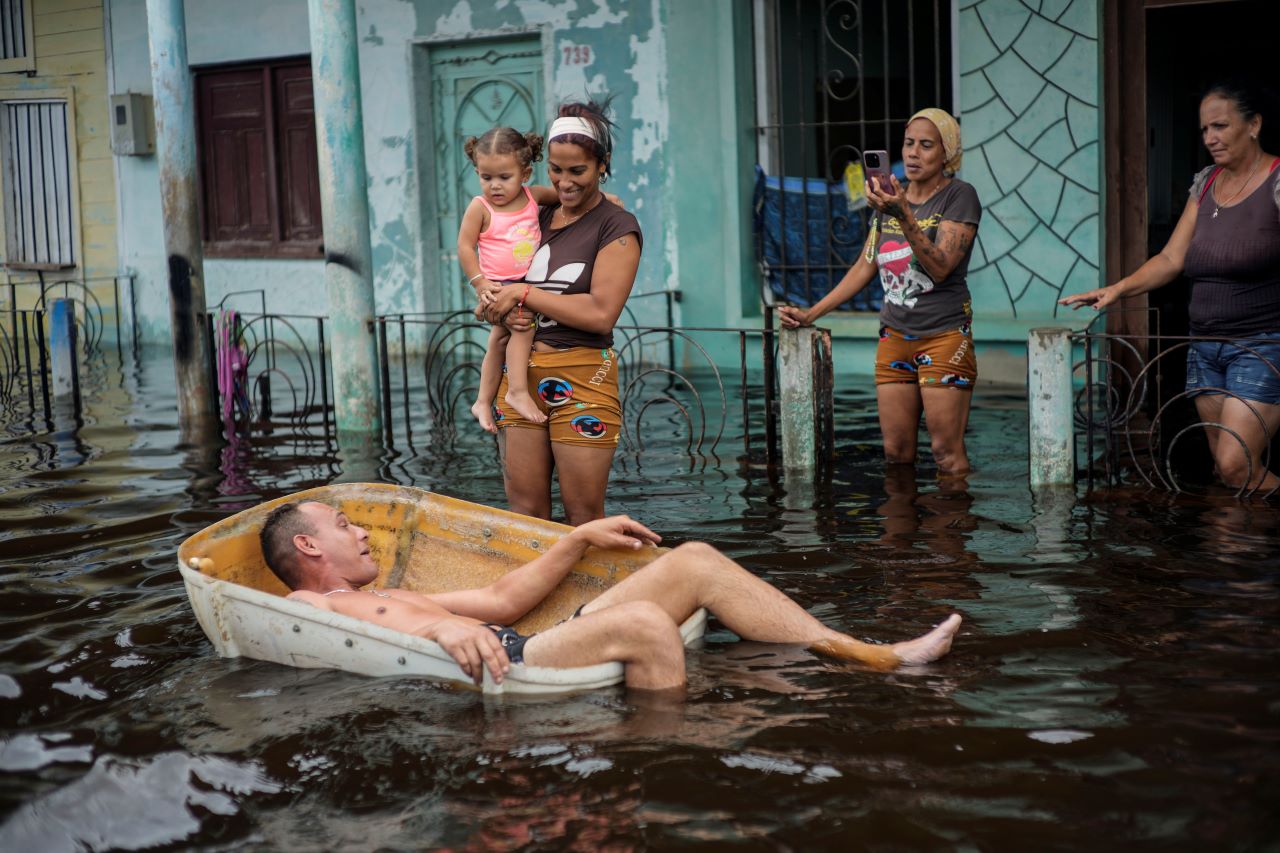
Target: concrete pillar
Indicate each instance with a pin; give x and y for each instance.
(64, 349)
(344, 202)
(798, 386)
(176, 152)
(1050, 408)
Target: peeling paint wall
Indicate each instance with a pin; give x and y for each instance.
(595, 46)
(626, 55)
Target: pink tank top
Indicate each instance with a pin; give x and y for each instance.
(506, 247)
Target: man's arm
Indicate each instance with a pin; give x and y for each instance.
(473, 646)
(516, 593)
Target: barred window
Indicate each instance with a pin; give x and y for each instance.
(35, 149)
(16, 36)
(835, 78)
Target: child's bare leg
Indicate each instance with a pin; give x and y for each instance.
(490, 378)
(518, 348)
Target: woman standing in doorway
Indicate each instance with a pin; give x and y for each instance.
(920, 242)
(573, 294)
(1227, 241)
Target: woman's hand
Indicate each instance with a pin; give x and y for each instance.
(793, 317)
(890, 204)
(1095, 299)
(519, 320)
(504, 300)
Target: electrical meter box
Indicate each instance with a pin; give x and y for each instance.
(131, 125)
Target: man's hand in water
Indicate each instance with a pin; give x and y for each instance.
(473, 646)
(616, 532)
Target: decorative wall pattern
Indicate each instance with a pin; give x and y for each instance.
(1029, 102)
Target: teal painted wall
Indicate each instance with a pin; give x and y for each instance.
(1029, 108)
(1029, 77)
(628, 56)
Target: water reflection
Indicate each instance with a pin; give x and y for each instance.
(1114, 674)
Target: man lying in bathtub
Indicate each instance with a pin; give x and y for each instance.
(321, 555)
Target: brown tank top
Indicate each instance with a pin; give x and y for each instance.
(1234, 264)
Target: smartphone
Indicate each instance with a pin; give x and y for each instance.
(875, 164)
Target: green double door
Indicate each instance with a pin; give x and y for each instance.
(476, 85)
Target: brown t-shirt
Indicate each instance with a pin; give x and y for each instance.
(566, 260)
(915, 304)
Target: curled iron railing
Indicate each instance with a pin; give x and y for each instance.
(673, 382)
(104, 318)
(1140, 422)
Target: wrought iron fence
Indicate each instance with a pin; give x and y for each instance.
(1138, 422)
(685, 388)
(269, 369)
(104, 318)
(673, 384)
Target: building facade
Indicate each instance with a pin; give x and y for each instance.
(56, 167)
(704, 91)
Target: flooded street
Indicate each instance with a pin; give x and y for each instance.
(1114, 683)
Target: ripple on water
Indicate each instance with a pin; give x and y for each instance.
(1147, 624)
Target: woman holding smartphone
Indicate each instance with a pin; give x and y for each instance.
(920, 241)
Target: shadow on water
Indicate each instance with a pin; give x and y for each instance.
(1115, 678)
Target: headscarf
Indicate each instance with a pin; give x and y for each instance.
(949, 130)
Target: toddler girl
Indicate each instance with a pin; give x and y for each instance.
(496, 242)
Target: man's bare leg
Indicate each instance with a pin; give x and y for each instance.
(639, 634)
(697, 575)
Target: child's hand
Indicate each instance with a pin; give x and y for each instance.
(615, 199)
(488, 294)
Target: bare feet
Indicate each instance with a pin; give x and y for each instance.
(484, 414)
(524, 406)
(930, 647)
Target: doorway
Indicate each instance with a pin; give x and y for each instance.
(463, 89)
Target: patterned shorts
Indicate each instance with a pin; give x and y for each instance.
(577, 389)
(945, 359)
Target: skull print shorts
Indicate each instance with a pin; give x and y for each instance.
(946, 359)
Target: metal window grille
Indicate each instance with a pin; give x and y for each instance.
(13, 29)
(37, 184)
(834, 78)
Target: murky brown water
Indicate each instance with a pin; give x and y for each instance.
(1114, 685)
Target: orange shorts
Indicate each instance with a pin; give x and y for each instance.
(944, 359)
(577, 389)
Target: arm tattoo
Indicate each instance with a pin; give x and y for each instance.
(622, 241)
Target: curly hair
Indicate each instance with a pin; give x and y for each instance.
(527, 147)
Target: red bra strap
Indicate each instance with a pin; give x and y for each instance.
(1208, 184)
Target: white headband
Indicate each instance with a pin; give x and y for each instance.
(571, 124)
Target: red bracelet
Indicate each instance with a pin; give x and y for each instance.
(524, 296)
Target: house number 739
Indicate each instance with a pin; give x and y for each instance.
(577, 54)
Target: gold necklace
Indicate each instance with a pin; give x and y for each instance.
(1218, 205)
(568, 221)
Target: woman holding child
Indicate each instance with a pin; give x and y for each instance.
(572, 295)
